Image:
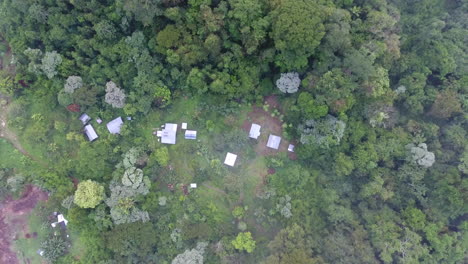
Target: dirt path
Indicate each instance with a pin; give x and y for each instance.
(13, 219)
(214, 188)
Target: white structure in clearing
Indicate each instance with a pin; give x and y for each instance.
(115, 125)
(84, 118)
(190, 134)
(291, 148)
(230, 159)
(90, 132)
(254, 131)
(60, 219)
(193, 185)
(184, 125)
(168, 134)
(273, 142)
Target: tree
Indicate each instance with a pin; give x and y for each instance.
(50, 62)
(324, 133)
(132, 177)
(289, 247)
(161, 155)
(446, 104)
(244, 241)
(193, 256)
(73, 83)
(134, 239)
(297, 28)
(54, 247)
(89, 194)
(421, 155)
(310, 109)
(288, 82)
(143, 10)
(114, 95)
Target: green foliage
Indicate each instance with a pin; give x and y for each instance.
(89, 194)
(161, 155)
(297, 28)
(244, 241)
(53, 248)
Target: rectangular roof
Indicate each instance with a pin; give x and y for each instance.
(90, 132)
(115, 125)
(190, 134)
(230, 159)
(273, 142)
(168, 135)
(254, 131)
(291, 148)
(84, 118)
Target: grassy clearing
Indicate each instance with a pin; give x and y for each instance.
(9, 156)
(27, 247)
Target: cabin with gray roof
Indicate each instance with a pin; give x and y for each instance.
(115, 125)
(90, 132)
(273, 142)
(254, 131)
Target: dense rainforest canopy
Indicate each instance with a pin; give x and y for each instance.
(373, 93)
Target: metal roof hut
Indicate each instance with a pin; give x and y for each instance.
(168, 135)
(115, 125)
(84, 118)
(254, 131)
(190, 134)
(90, 132)
(230, 159)
(273, 142)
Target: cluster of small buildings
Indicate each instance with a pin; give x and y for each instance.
(273, 142)
(113, 126)
(168, 134)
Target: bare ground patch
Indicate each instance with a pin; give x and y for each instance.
(13, 220)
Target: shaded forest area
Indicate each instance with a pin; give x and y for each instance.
(373, 93)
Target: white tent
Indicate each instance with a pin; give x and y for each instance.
(273, 142)
(190, 134)
(115, 125)
(254, 131)
(90, 132)
(230, 159)
(168, 135)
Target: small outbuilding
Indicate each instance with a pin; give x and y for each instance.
(184, 125)
(60, 220)
(84, 118)
(273, 142)
(90, 132)
(291, 148)
(115, 125)
(193, 185)
(254, 131)
(168, 135)
(190, 134)
(230, 159)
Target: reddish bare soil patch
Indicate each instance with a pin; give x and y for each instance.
(13, 220)
(269, 124)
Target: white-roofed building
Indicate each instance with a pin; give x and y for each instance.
(168, 135)
(230, 159)
(84, 118)
(193, 185)
(254, 131)
(184, 125)
(291, 148)
(273, 142)
(190, 134)
(60, 220)
(90, 132)
(115, 125)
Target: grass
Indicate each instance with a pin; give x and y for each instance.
(27, 247)
(9, 156)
